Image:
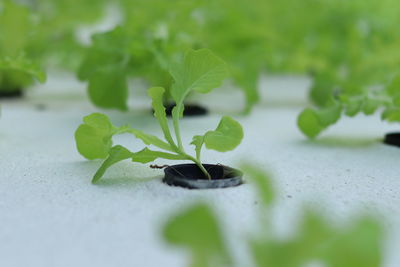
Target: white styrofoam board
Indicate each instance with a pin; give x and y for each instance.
(50, 214)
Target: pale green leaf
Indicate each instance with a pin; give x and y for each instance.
(227, 136)
(116, 154)
(23, 65)
(156, 94)
(361, 243)
(353, 107)
(198, 141)
(313, 122)
(146, 155)
(93, 137)
(198, 230)
(396, 101)
(200, 71)
(370, 105)
(329, 115)
(108, 88)
(148, 139)
(15, 28)
(309, 124)
(391, 114)
(393, 88)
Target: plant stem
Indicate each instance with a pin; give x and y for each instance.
(175, 117)
(198, 163)
(176, 112)
(206, 173)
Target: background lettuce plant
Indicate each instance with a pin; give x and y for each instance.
(198, 230)
(313, 121)
(199, 71)
(154, 33)
(18, 68)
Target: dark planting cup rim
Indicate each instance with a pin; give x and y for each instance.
(190, 176)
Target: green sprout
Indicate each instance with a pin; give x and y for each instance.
(199, 71)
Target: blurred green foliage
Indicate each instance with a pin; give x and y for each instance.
(17, 29)
(37, 34)
(198, 230)
(349, 48)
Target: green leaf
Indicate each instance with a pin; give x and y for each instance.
(108, 89)
(156, 94)
(198, 141)
(396, 101)
(200, 71)
(148, 139)
(198, 230)
(370, 105)
(391, 114)
(119, 153)
(106, 67)
(393, 88)
(361, 243)
(116, 154)
(309, 124)
(146, 155)
(313, 122)
(23, 65)
(322, 89)
(227, 136)
(329, 115)
(353, 106)
(94, 137)
(15, 28)
(109, 51)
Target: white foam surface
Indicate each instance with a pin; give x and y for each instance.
(50, 214)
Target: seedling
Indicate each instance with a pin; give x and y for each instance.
(313, 121)
(199, 71)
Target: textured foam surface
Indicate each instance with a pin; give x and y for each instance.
(50, 214)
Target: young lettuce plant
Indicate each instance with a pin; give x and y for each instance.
(199, 71)
(17, 68)
(313, 121)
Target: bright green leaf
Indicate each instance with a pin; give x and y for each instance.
(394, 87)
(370, 105)
(116, 154)
(353, 107)
(198, 141)
(156, 94)
(23, 65)
(361, 243)
(109, 89)
(197, 230)
(15, 28)
(146, 155)
(200, 71)
(309, 123)
(329, 115)
(227, 136)
(148, 139)
(93, 137)
(391, 114)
